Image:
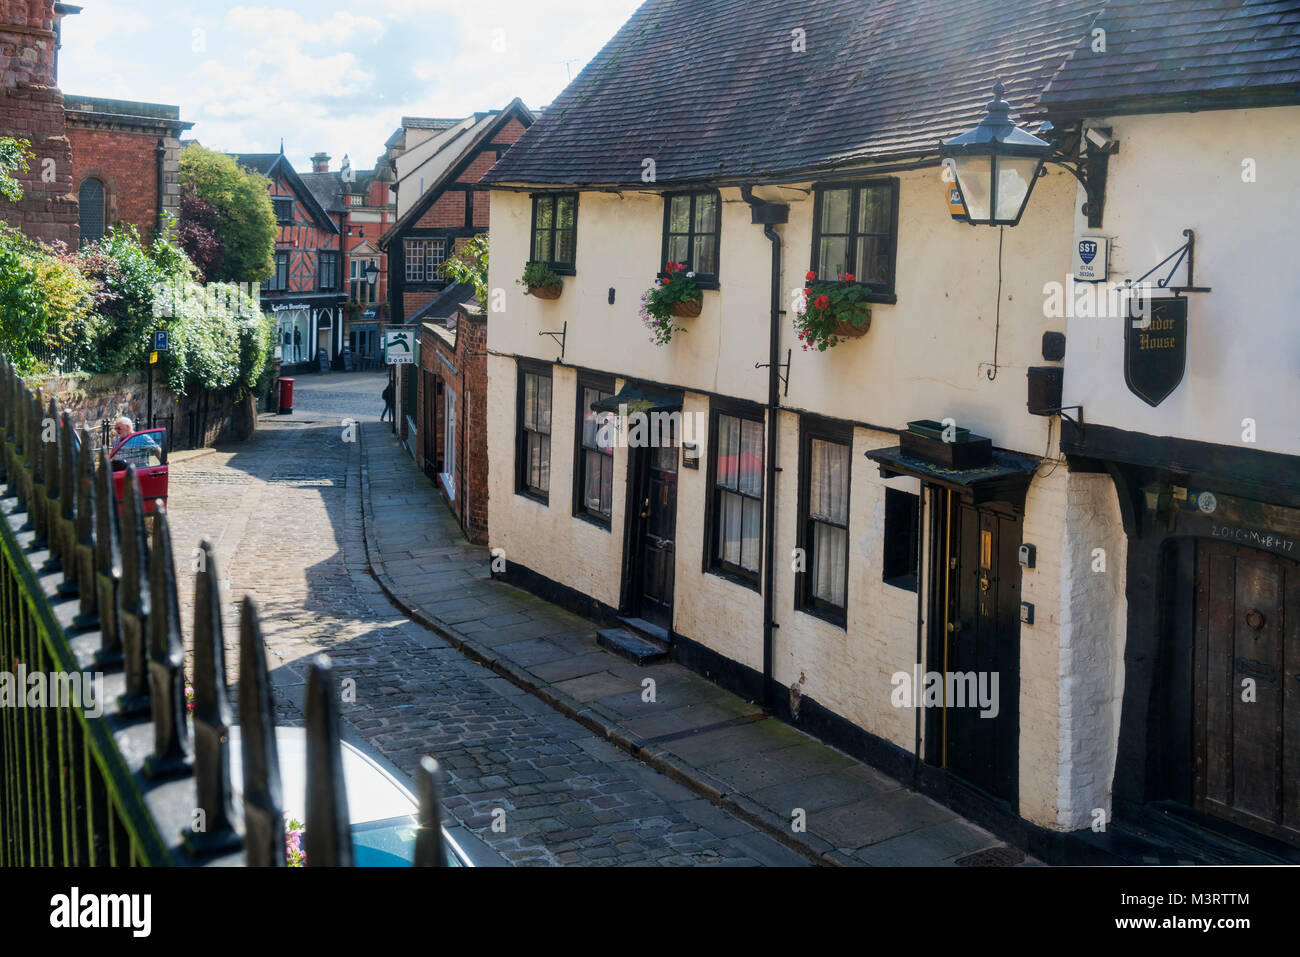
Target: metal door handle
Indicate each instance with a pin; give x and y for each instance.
(954, 627)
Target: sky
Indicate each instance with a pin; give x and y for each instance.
(326, 75)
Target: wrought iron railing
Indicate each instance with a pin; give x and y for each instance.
(130, 779)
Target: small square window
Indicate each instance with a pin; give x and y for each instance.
(901, 565)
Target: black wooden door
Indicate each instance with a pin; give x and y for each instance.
(657, 521)
(1246, 692)
(982, 683)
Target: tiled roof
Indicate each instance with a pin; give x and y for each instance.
(1195, 50)
(275, 164)
(713, 91)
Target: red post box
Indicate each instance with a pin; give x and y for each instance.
(286, 397)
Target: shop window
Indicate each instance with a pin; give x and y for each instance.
(737, 495)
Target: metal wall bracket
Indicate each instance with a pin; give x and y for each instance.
(1186, 251)
(559, 337)
(785, 379)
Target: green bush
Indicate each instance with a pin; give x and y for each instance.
(245, 221)
(46, 305)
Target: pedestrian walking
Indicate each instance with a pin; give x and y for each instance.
(388, 403)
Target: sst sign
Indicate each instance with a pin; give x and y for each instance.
(399, 346)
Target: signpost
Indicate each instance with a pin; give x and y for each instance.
(398, 351)
(1155, 349)
(160, 345)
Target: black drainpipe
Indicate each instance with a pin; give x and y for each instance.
(769, 214)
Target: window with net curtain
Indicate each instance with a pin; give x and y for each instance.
(596, 460)
(827, 532)
(535, 434)
(738, 495)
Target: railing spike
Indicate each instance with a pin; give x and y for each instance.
(329, 837)
(50, 475)
(135, 602)
(212, 714)
(428, 839)
(263, 801)
(36, 468)
(108, 564)
(67, 517)
(84, 535)
(171, 734)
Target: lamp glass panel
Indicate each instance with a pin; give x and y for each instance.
(974, 178)
(1015, 180)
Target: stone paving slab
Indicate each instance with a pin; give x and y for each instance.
(759, 770)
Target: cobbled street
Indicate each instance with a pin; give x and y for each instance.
(284, 512)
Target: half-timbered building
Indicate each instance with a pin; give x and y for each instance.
(306, 291)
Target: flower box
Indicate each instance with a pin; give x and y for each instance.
(688, 308)
(546, 292)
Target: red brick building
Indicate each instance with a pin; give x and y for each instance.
(363, 203)
(305, 293)
(452, 413)
(31, 108)
(125, 163)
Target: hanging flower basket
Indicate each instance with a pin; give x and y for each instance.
(832, 312)
(674, 296)
(688, 308)
(542, 281)
(847, 330)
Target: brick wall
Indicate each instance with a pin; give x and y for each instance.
(31, 108)
(510, 132)
(469, 386)
(127, 164)
(481, 164)
(447, 212)
(413, 302)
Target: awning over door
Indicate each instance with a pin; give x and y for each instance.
(1005, 480)
(639, 398)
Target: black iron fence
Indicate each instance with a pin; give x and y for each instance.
(123, 776)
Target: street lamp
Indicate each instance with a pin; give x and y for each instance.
(995, 164)
(372, 273)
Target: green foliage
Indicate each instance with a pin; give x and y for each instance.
(97, 309)
(676, 286)
(245, 222)
(219, 338)
(46, 304)
(468, 263)
(128, 275)
(826, 305)
(14, 154)
(539, 276)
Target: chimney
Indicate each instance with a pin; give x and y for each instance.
(320, 163)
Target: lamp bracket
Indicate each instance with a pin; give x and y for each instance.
(1186, 251)
(559, 337)
(785, 379)
(1077, 423)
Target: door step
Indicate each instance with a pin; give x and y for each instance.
(647, 629)
(632, 646)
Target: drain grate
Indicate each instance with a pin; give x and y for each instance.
(1002, 856)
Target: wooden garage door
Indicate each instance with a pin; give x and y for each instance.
(1247, 688)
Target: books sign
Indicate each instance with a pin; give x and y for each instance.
(397, 346)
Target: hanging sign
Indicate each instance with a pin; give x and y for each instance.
(1155, 349)
(397, 346)
(956, 205)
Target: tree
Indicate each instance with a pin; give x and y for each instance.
(244, 221)
(468, 263)
(13, 159)
(197, 235)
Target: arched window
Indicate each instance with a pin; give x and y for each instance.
(91, 200)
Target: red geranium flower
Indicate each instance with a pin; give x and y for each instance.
(848, 277)
(812, 274)
(821, 302)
